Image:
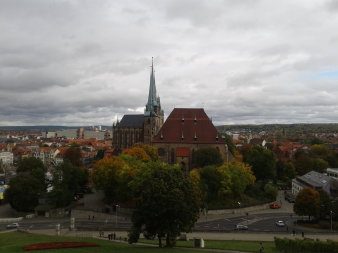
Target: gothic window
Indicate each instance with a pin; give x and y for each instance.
(172, 156)
(161, 152)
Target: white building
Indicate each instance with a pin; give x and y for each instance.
(316, 181)
(6, 158)
(332, 172)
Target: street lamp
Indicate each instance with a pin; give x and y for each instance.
(116, 206)
(331, 213)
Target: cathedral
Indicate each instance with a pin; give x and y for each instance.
(135, 128)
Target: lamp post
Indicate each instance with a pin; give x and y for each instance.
(331, 213)
(116, 206)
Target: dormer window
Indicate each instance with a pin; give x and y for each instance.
(161, 136)
(195, 137)
(217, 138)
(182, 119)
(182, 137)
(195, 119)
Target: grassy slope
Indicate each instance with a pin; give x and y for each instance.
(14, 242)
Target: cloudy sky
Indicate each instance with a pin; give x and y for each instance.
(85, 62)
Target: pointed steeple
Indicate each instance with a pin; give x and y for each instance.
(153, 100)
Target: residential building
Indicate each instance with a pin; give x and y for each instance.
(317, 181)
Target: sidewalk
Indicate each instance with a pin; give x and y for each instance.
(239, 236)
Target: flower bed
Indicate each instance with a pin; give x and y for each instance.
(58, 245)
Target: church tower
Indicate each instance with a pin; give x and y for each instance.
(153, 114)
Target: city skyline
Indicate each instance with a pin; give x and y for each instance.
(82, 63)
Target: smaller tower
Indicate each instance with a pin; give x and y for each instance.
(153, 115)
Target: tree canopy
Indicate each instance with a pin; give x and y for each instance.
(24, 192)
(262, 161)
(207, 156)
(307, 202)
(167, 202)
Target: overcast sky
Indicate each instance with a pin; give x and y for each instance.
(86, 62)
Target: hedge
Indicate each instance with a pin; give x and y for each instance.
(305, 246)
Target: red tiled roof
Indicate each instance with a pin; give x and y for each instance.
(182, 152)
(188, 125)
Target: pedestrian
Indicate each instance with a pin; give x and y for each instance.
(114, 235)
(303, 234)
(93, 217)
(261, 248)
(293, 232)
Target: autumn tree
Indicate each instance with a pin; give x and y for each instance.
(167, 203)
(73, 155)
(236, 176)
(138, 153)
(112, 175)
(307, 203)
(150, 150)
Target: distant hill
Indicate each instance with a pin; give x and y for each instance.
(45, 128)
(289, 129)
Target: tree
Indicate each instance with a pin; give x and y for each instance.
(262, 161)
(207, 156)
(73, 155)
(137, 153)
(28, 164)
(67, 180)
(211, 183)
(112, 175)
(236, 177)
(270, 191)
(24, 192)
(285, 171)
(325, 203)
(167, 202)
(307, 203)
(150, 150)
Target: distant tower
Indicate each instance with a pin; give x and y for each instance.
(153, 115)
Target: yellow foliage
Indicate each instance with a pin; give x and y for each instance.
(138, 153)
(150, 150)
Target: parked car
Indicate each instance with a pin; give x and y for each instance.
(274, 206)
(280, 223)
(13, 225)
(241, 227)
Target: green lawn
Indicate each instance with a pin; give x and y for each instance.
(14, 242)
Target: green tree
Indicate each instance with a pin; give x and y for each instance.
(207, 156)
(319, 165)
(24, 192)
(303, 162)
(285, 171)
(28, 164)
(211, 182)
(167, 202)
(270, 191)
(236, 176)
(262, 161)
(307, 203)
(67, 180)
(325, 203)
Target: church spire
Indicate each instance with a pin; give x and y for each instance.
(153, 101)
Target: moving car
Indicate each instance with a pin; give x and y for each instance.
(241, 227)
(13, 225)
(280, 223)
(274, 206)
